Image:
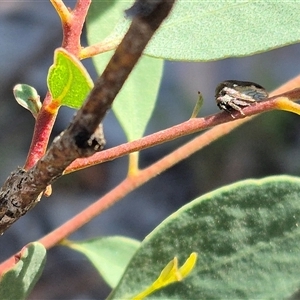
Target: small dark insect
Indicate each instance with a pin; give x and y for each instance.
(234, 95)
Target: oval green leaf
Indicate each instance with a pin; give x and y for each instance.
(109, 255)
(68, 81)
(18, 282)
(247, 239)
(211, 30)
(136, 101)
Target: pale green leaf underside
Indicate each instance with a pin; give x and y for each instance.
(247, 239)
(210, 30)
(135, 103)
(109, 255)
(28, 97)
(18, 282)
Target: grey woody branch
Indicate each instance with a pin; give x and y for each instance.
(22, 190)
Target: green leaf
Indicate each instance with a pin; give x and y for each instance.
(247, 239)
(106, 20)
(209, 30)
(68, 81)
(109, 255)
(18, 282)
(135, 103)
(28, 97)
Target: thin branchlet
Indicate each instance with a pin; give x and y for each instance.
(22, 190)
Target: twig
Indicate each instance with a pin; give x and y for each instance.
(131, 183)
(134, 181)
(22, 190)
(72, 24)
(185, 128)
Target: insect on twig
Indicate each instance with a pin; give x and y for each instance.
(234, 95)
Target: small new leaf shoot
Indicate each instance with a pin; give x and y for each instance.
(170, 274)
(28, 97)
(198, 106)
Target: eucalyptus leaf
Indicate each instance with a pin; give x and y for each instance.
(68, 81)
(18, 282)
(109, 255)
(210, 30)
(247, 239)
(136, 101)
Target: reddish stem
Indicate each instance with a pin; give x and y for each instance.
(133, 182)
(72, 29)
(188, 127)
(98, 48)
(42, 130)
